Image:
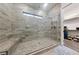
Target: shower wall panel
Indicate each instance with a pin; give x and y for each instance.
(56, 22)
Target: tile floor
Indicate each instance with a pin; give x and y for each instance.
(72, 44)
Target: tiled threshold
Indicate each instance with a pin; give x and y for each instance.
(60, 50)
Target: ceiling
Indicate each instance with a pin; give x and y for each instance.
(71, 11)
(35, 5)
(36, 8)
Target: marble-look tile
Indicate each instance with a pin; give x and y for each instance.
(33, 45)
(8, 43)
(61, 50)
(13, 22)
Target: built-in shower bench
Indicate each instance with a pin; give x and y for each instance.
(7, 44)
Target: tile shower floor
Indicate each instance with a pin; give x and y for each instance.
(26, 47)
(32, 44)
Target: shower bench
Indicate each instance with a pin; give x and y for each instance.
(7, 45)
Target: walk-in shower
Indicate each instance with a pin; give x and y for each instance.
(29, 28)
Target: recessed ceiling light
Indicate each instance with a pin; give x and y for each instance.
(32, 15)
(45, 5)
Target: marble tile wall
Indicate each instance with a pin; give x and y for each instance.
(13, 22)
(55, 13)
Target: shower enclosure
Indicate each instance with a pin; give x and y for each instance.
(29, 28)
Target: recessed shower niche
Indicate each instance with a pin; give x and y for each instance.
(28, 28)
